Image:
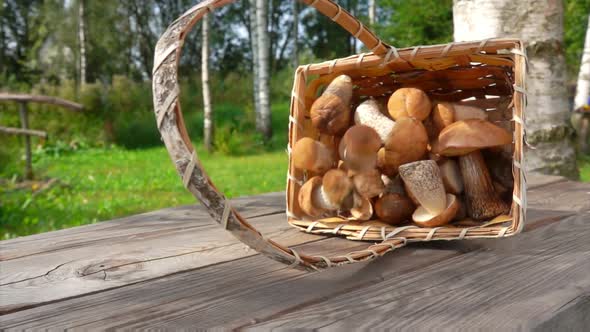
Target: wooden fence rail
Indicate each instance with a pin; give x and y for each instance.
(19, 131)
(23, 99)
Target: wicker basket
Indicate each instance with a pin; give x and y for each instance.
(489, 74)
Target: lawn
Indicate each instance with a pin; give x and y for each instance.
(584, 164)
(102, 184)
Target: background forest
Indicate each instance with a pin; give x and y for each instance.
(109, 160)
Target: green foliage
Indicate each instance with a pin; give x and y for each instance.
(100, 184)
(576, 20)
(584, 164)
(419, 22)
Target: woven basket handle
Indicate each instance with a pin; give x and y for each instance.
(174, 134)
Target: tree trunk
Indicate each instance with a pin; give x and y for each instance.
(82, 41)
(372, 12)
(263, 118)
(254, 45)
(295, 34)
(540, 24)
(583, 86)
(208, 121)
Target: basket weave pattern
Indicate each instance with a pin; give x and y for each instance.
(449, 72)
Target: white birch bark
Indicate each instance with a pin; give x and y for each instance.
(295, 34)
(583, 86)
(254, 45)
(207, 109)
(372, 12)
(263, 119)
(82, 41)
(540, 24)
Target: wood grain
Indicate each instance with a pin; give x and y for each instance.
(239, 291)
(517, 283)
(38, 279)
(146, 224)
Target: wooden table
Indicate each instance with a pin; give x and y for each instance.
(175, 268)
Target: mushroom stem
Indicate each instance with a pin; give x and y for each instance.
(368, 114)
(322, 201)
(481, 198)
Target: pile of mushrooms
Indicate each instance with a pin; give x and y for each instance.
(412, 160)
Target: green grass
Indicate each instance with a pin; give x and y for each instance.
(102, 184)
(584, 164)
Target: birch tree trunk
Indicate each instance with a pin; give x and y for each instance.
(82, 41)
(540, 24)
(208, 121)
(583, 86)
(581, 121)
(263, 118)
(372, 12)
(254, 45)
(295, 34)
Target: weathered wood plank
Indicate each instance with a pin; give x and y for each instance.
(518, 286)
(239, 291)
(536, 180)
(572, 196)
(21, 131)
(33, 280)
(195, 295)
(119, 230)
(24, 98)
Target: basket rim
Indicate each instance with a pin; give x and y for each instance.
(408, 231)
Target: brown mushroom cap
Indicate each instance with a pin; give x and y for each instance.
(306, 197)
(336, 187)
(331, 113)
(368, 184)
(309, 154)
(407, 142)
(358, 148)
(463, 137)
(463, 112)
(423, 218)
(394, 208)
(407, 102)
(442, 116)
(423, 180)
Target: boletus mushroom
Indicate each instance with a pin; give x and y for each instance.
(393, 185)
(407, 142)
(331, 113)
(368, 184)
(444, 114)
(369, 113)
(311, 155)
(358, 148)
(423, 181)
(423, 218)
(394, 208)
(409, 102)
(451, 176)
(465, 139)
(319, 195)
(362, 208)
